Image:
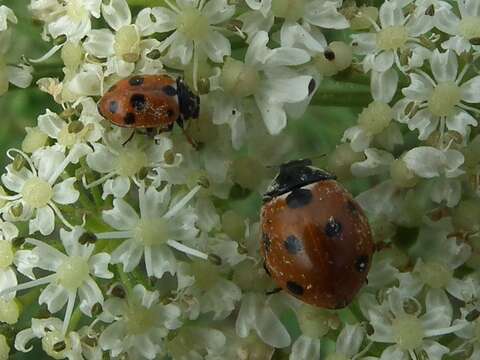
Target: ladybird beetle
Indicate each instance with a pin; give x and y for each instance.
(148, 102)
(316, 240)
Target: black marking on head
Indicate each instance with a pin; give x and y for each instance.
(136, 80)
(169, 90)
(293, 175)
(311, 86)
(361, 264)
(113, 106)
(188, 102)
(329, 54)
(299, 198)
(333, 228)
(112, 88)
(266, 242)
(138, 102)
(294, 288)
(266, 269)
(293, 244)
(129, 119)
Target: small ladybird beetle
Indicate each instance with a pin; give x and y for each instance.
(316, 240)
(148, 102)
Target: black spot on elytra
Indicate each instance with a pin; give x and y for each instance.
(170, 112)
(294, 288)
(293, 244)
(311, 86)
(333, 228)
(266, 242)
(169, 90)
(138, 102)
(113, 106)
(329, 55)
(361, 263)
(299, 198)
(129, 118)
(112, 88)
(136, 80)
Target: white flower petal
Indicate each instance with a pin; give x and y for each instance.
(325, 15)
(273, 115)
(163, 261)
(349, 340)
(165, 19)
(216, 46)
(44, 221)
(419, 89)
(65, 193)
(444, 66)
(54, 296)
(8, 279)
(218, 11)
(286, 57)
(129, 253)
(89, 294)
(305, 348)
(100, 43)
(122, 216)
(390, 14)
(383, 61)
(98, 265)
(118, 187)
(384, 85)
(51, 124)
(471, 90)
(116, 13)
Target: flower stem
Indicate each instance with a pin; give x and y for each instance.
(336, 93)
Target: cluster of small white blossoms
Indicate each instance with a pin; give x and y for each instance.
(138, 248)
(20, 74)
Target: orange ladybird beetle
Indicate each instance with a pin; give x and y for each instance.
(148, 102)
(316, 240)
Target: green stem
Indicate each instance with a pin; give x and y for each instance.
(124, 278)
(336, 93)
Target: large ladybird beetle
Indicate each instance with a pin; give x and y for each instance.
(149, 102)
(316, 240)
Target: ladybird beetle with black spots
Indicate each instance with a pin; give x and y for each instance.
(316, 240)
(148, 102)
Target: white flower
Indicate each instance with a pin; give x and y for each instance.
(429, 162)
(376, 162)
(440, 255)
(124, 46)
(164, 223)
(398, 321)
(348, 345)
(19, 74)
(465, 30)
(195, 25)
(256, 314)
(191, 342)
(37, 188)
(86, 129)
(319, 13)
(375, 121)
(6, 15)
(139, 324)
(396, 33)
(120, 162)
(213, 291)
(73, 274)
(265, 76)
(439, 103)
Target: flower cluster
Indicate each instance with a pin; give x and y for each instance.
(18, 74)
(148, 247)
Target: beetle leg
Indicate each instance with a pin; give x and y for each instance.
(273, 291)
(130, 137)
(192, 142)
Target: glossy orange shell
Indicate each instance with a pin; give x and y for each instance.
(147, 101)
(317, 244)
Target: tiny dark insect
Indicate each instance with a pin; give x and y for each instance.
(317, 244)
(150, 102)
